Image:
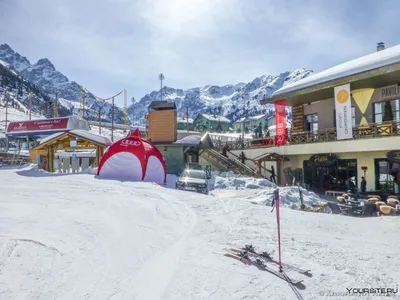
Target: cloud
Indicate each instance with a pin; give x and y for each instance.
(110, 45)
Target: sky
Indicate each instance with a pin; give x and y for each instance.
(111, 45)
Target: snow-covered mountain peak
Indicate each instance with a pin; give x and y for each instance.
(45, 63)
(14, 59)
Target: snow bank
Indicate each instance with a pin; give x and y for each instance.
(254, 190)
(289, 197)
(189, 140)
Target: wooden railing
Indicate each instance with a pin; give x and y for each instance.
(228, 164)
(369, 131)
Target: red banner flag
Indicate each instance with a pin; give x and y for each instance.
(280, 122)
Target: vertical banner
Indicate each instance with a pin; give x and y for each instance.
(344, 124)
(280, 122)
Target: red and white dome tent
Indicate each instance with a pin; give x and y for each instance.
(133, 158)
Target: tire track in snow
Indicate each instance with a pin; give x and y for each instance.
(155, 275)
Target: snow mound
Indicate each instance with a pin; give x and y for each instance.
(190, 140)
(229, 180)
(289, 197)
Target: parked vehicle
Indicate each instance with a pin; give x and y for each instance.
(193, 180)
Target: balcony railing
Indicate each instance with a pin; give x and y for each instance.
(323, 135)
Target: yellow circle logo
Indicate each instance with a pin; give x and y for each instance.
(342, 96)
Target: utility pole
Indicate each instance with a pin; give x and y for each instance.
(100, 120)
(161, 77)
(125, 111)
(187, 118)
(30, 106)
(7, 98)
(133, 110)
(112, 121)
(55, 112)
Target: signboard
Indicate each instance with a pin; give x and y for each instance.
(344, 124)
(323, 160)
(38, 125)
(388, 92)
(280, 122)
(73, 143)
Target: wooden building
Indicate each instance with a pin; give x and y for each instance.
(75, 142)
(162, 122)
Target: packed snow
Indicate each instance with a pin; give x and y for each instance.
(189, 140)
(77, 237)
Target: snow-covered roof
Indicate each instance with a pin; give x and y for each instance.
(92, 136)
(254, 118)
(190, 140)
(258, 117)
(182, 120)
(216, 118)
(82, 133)
(362, 64)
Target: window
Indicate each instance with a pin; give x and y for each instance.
(379, 110)
(383, 178)
(311, 122)
(353, 116)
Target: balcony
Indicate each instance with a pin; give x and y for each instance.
(370, 131)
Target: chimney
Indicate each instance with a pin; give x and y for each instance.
(380, 46)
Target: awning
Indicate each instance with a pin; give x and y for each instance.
(270, 157)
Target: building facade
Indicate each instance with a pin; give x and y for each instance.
(330, 157)
(211, 123)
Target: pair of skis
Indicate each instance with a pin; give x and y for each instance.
(249, 256)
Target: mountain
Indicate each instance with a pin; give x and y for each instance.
(47, 83)
(55, 84)
(231, 101)
(19, 89)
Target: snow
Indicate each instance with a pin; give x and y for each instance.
(50, 137)
(362, 64)
(183, 120)
(13, 114)
(77, 237)
(189, 140)
(92, 136)
(216, 118)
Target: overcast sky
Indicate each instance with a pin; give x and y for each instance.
(109, 45)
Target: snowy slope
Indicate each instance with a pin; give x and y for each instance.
(15, 114)
(77, 237)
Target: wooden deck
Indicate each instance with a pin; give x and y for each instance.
(370, 131)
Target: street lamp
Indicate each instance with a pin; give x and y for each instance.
(161, 77)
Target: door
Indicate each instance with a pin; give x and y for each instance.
(383, 179)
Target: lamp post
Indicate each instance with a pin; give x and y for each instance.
(161, 77)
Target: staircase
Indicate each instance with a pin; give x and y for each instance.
(226, 164)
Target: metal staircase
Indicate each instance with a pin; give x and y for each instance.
(226, 164)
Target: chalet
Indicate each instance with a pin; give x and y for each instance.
(346, 124)
(184, 123)
(211, 123)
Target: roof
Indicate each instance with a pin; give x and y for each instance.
(182, 120)
(216, 118)
(83, 134)
(270, 157)
(158, 105)
(362, 64)
(43, 127)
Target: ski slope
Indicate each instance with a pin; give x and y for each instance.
(77, 237)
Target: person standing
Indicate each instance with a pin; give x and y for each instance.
(272, 177)
(363, 186)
